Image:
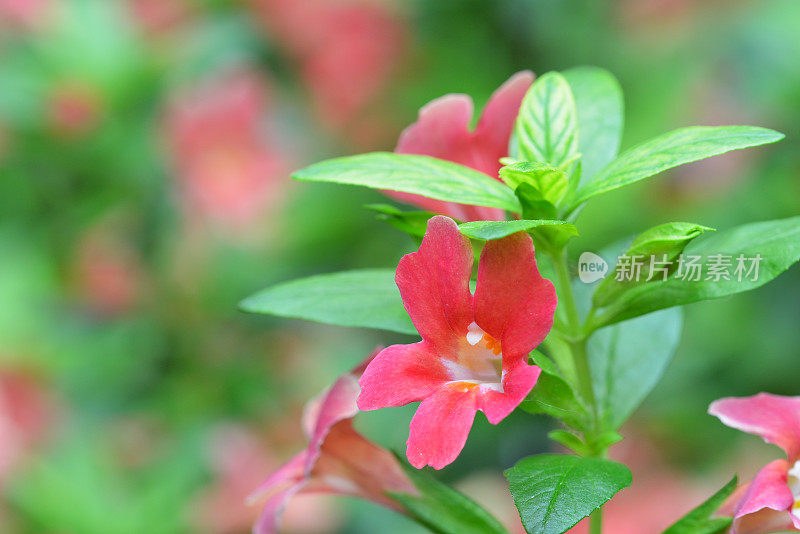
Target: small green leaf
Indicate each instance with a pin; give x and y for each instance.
(365, 298)
(554, 492)
(550, 181)
(487, 230)
(414, 223)
(776, 243)
(699, 520)
(627, 360)
(603, 441)
(659, 247)
(598, 99)
(420, 175)
(444, 510)
(534, 205)
(554, 396)
(670, 150)
(546, 130)
(570, 440)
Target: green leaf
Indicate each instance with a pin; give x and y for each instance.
(699, 520)
(487, 230)
(409, 173)
(777, 243)
(662, 244)
(546, 130)
(534, 205)
(444, 510)
(669, 238)
(551, 182)
(414, 223)
(365, 298)
(627, 360)
(554, 492)
(598, 99)
(670, 150)
(554, 396)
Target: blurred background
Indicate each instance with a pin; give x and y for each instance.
(145, 152)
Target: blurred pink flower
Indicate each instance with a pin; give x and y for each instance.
(74, 109)
(474, 350)
(239, 461)
(443, 131)
(337, 460)
(158, 17)
(26, 415)
(24, 14)
(654, 16)
(346, 49)
(109, 275)
(771, 501)
(229, 172)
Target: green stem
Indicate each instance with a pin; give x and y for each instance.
(577, 342)
(596, 522)
(577, 346)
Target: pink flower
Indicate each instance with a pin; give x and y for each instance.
(230, 172)
(239, 459)
(443, 131)
(337, 460)
(24, 14)
(75, 109)
(157, 17)
(26, 415)
(346, 51)
(108, 271)
(771, 501)
(474, 350)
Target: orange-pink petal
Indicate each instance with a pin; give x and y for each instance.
(441, 425)
(513, 303)
(442, 131)
(401, 374)
(434, 284)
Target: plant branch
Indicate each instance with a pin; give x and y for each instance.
(573, 326)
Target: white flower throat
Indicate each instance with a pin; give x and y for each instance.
(793, 480)
(479, 361)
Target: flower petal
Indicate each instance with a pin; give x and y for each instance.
(768, 490)
(336, 404)
(518, 381)
(497, 122)
(288, 475)
(370, 471)
(441, 131)
(401, 374)
(434, 284)
(763, 522)
(513, 303)
(270, 519)
(441, 425)
(773, 417)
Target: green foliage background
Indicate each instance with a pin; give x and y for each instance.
(164, 376)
